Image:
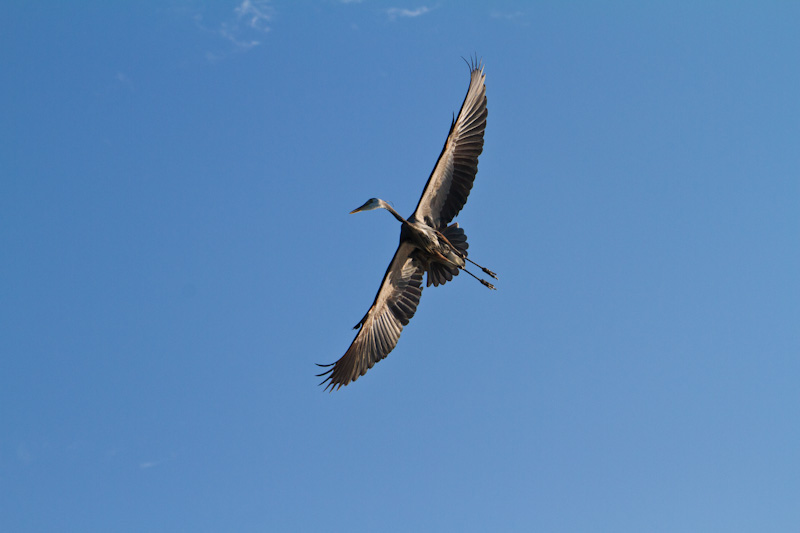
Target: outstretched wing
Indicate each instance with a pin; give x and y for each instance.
(394, 305)
(451, 180)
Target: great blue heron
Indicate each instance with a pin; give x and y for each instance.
(427, 242)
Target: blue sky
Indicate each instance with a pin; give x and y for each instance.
(175, 179)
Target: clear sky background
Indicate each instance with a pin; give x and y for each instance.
(175, 179)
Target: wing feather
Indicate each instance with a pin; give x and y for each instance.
(451, 179)
(394, 306)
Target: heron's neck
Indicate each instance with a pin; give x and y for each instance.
(395, 213)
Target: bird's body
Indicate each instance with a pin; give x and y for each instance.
(431, 244)
(428, 242)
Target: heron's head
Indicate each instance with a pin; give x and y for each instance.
(369, 205)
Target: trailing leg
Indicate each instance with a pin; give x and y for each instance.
(482, 268)
(483, 281)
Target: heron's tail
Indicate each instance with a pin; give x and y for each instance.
(438, 273)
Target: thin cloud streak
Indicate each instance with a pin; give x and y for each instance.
(248, 17)
(144, 465)
(510, 16)
(256, 13)
(395, 12)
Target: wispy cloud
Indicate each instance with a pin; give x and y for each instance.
(395, 12)
(144, 465)
(242, 28)
(510, 16)
(123, 80)
(231, 32)
(256, 14)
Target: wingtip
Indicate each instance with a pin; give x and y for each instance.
(474, 63)
(328, 382)
(330, 386)
(326, 372)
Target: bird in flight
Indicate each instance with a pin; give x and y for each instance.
(428, 242)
